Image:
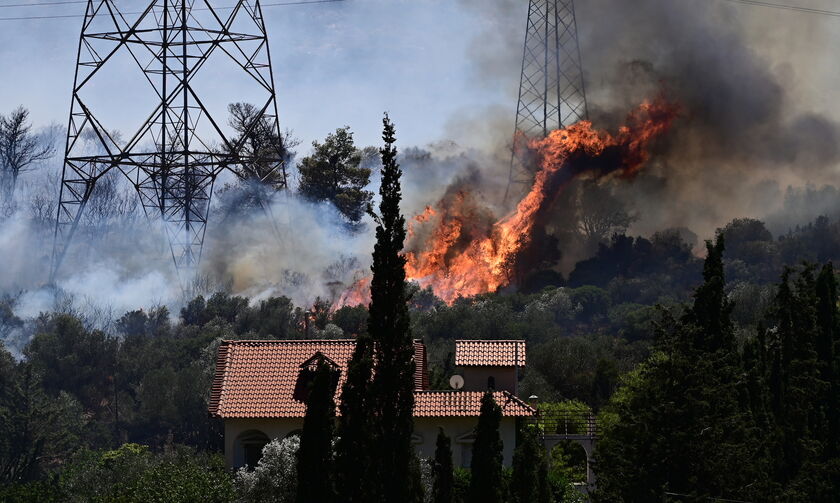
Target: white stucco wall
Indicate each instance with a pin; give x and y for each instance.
(455, 427)
(475, 378)
(425, 430)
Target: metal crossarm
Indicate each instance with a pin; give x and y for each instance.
(551, 89)
(174, 155)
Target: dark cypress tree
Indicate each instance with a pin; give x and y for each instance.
(392, 389)
(315, 457)
(801, 316)
(827, 335)
(354, 448)
(529, 483)
(711, 311)
(694, 397)
(443, 472)
(486, 485)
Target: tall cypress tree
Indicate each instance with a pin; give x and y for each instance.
(796, 383)
(529, 483)
(315, 458)
(689, 404)
(392, 389)
(715, 395)
(356, 443)
(827, 319)
(443, 481)
(711, 310)
(486, 481)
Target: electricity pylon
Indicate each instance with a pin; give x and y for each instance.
(551, 90)
(176, 150)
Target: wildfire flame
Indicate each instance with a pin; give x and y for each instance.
(461, 256)
(358, 293)
(422, 218)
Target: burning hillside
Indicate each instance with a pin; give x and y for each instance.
(458, 249)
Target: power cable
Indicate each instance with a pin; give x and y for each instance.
(794, 8)
(39, 4)
(79, 16)
(756, 3)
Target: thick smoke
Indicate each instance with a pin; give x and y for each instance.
(748, 127)
(119, 261)
(287, 246)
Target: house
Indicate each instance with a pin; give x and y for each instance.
(490, 364)
(259, 392)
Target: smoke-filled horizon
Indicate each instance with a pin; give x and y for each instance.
(754, 95)
(754, 133)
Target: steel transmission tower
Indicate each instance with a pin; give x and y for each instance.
(178, 147)
(551, 90)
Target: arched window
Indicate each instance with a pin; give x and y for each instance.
(491, 383)
(248, 448)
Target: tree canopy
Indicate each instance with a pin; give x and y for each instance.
(333, 173)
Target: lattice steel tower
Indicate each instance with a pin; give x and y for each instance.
(551, 90)
(177, 147)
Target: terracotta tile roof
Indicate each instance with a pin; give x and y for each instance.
(485, 353)
(466, 404)
(258, 378)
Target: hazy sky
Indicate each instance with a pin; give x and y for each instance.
(347, 62)
(334, 64)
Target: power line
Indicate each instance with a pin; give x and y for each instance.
(757, 3)
(787, 7)
(79, 16)
(39, 4)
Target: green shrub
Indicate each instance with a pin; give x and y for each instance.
(133, 474)
(462, 485)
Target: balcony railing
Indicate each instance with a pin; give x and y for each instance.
(567, 424)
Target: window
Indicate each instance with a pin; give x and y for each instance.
(466, 442)
(253, 454)
(466, 455)
(248, 448)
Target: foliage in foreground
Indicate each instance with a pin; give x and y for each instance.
(131, 474)
(274, 479)
(704, 418)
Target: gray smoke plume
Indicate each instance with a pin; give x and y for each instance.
(750, 124)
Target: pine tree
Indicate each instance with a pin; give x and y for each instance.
(444, 476)
(315, 458)
(355, 445)
(392, 389)
(529, 483)
(486, 482)
(334, 173)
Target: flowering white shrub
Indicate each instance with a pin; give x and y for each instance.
(274, 480)
(427, 478)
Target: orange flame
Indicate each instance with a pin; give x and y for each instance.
(358, 293)
(422, 218)
(461, 257)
